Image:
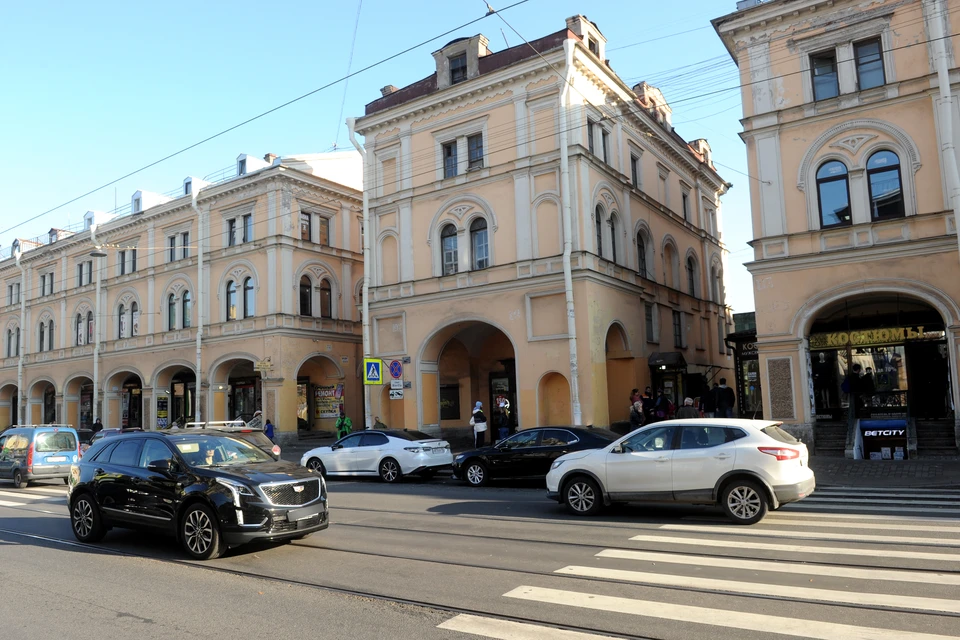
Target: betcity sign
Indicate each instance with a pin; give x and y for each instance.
(884, 433)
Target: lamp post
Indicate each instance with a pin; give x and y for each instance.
(99, 254)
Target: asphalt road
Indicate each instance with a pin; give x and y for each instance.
(424, 560)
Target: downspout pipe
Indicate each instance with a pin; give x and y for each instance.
(197, 417)
(20, 342)
(568, 50)
(935, 12)
(96, 329)
(365, 308)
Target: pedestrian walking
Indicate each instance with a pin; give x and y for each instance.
(663, 408)
(268, 429)
(344, 424)
(648, 402)
(502, 421)
(479, 423)
(708, 402)
(636, 414)
(726, 399)
(97, 425)
(688, 410)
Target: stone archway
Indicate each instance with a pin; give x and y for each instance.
(553, 400)
(78, 401)
(320, 394)
(236, 389)
(621, 374)
(9, 405)
(124, 399)
(175, 389)
(42, 402)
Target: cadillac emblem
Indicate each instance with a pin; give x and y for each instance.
(298, 488)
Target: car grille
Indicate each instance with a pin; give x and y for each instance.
(287, 526)
(286, 494)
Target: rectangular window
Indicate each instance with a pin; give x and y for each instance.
(88, 273)
(80, 275)
(826, 83)
(185, 244)
(133, 260)
(590, 125)
(458, 68)
(46, 284)
(450, 159)
(635, 171)
(474, 152)
(306, 226)
(678, 329)
(242, 167)
(231, 232)
(325, 231)
(84, 273)
(122, 262)
(721, 336)
(650, 324)
(869, 57)
(172, 249)
(248, 227)
(685, 204)
(605, 142)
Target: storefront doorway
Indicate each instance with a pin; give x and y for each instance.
(131, 403)
(182, 389)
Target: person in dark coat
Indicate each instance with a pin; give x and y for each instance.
(648, 402)
(709, 402)
(726, 400)
(97, 425)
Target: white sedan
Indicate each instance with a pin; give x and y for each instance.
(388, 454)
(746, 467)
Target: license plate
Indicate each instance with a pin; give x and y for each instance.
(57, 459)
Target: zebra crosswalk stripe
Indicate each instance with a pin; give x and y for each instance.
(795, 521)
(509, 630)
(811, 535)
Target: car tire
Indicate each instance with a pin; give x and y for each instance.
(19, 482)
(199, 533)
(389, 470)
(744, 501)
(476, 473)
(314, 464)
(85, 520)
(582, 496)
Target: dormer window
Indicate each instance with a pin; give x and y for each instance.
(53, 236)
(242, 167)
(187, 187)
(458, 68)
(593, 46)
(137, 205)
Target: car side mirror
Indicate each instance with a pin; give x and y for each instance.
(504, 446)
(334, 447)
(160, 466)
(617, 449)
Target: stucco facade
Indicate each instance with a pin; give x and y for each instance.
(854, 229)
(276, 297)
(467, 197)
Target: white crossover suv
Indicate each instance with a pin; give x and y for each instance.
(390, 454)
(745, 466)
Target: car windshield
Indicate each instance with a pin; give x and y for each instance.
(219, 451)
(52, 441)
(410, 435)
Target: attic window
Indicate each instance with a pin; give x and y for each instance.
(458, 68)
(594, 48)
(187, 187)
(242, 167)
(137, 205)
(53, 236)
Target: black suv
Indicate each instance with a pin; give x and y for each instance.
(212, 490)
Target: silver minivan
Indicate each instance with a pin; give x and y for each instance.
(42, 452)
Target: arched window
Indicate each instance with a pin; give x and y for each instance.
(122, 322)
(171, 312)
(599, 225)
(186, 310)
(43, 332)
(231, 300)
(9, 343)
(90, 339)
(479, 244)
(248, 298)
(79, 332)
(886, 187)
(134, 319)
(691, 276)
(448, 245)
(715, 284)
(641, 255)
(833, 194)
(50, 335)
(16, 342)
(306, 296)
(326, 299)
(613, 237)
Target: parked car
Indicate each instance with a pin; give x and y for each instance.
(526, 454)
(105, 433)
(237, 428)
(745, 466)
(391, 454)
(43, 452)
(211, 490)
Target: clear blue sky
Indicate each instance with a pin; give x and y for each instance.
(95, 90)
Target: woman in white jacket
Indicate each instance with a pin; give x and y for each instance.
(479, 423)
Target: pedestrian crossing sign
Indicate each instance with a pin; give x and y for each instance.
(372, 371)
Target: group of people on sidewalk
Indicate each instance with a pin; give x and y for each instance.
(501, 422)
(718, 402)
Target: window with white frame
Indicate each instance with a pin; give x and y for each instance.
(231, 300)
(127, 261)
(249, 298)
(826, 81)
(13, 342)
(448, 246)
(13, 293)
(450, 159)
(605, 145)
(185, 245)
(458, 68)
(613, 236)
(598, 226)
(248, 228)
(479, 244)
(171, 312)
(306, 226)
(868, 55)
(232, 232)
(591, 147)
(186, 310)
(685, 204)
(475, 152)
(90, 327)
(635, 170)
(46, 283)
(326, 299)
(134, 319)
(122, 321)
(323, 224)
(79, 331)
(172, 249)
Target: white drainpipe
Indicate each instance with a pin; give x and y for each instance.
(365, 320)
(96, 331)
(935, 12)
(196, 394)
(23, 318)
(568, 49)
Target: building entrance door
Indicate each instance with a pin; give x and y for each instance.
(929, 373)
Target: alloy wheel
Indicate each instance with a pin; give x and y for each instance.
(82, 518)
(744, 502)
(314, 465)
(581, 497)
(389, 470)
(475, 474)
(198, 532)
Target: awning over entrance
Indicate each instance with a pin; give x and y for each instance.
(668, 359)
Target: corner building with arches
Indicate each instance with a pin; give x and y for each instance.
(466, 178)
(856, 263)
(276, 296)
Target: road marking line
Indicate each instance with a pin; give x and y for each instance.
(807, 522)
(855, 508)
(877, 494)
(893, 575)
(797, 548)
(930, 503)
(735, 530)
(56, 492)
(22, 495)
(787, 512)
(887, 490)
(796, 627)
(508, 630)
(6, 503)
(938, 605)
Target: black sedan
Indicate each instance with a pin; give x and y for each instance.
(527, 454)
(212, 491)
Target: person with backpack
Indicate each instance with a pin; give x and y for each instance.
(479, 423)
(708, 402)
(726, 400)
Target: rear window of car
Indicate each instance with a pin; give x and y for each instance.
(126, 453)
(50, 441)
(604, 434)
(411, 435)
(779, 434)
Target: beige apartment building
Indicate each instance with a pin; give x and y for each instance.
(539, 233)
(855, 267)
(211, 302)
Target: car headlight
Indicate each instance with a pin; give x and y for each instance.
(460, 458)
(236, 488)
(556, 464)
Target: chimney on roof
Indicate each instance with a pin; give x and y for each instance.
(269, 157)
(653, 101)
(387, 90)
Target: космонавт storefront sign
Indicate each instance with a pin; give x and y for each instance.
(867, 337)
